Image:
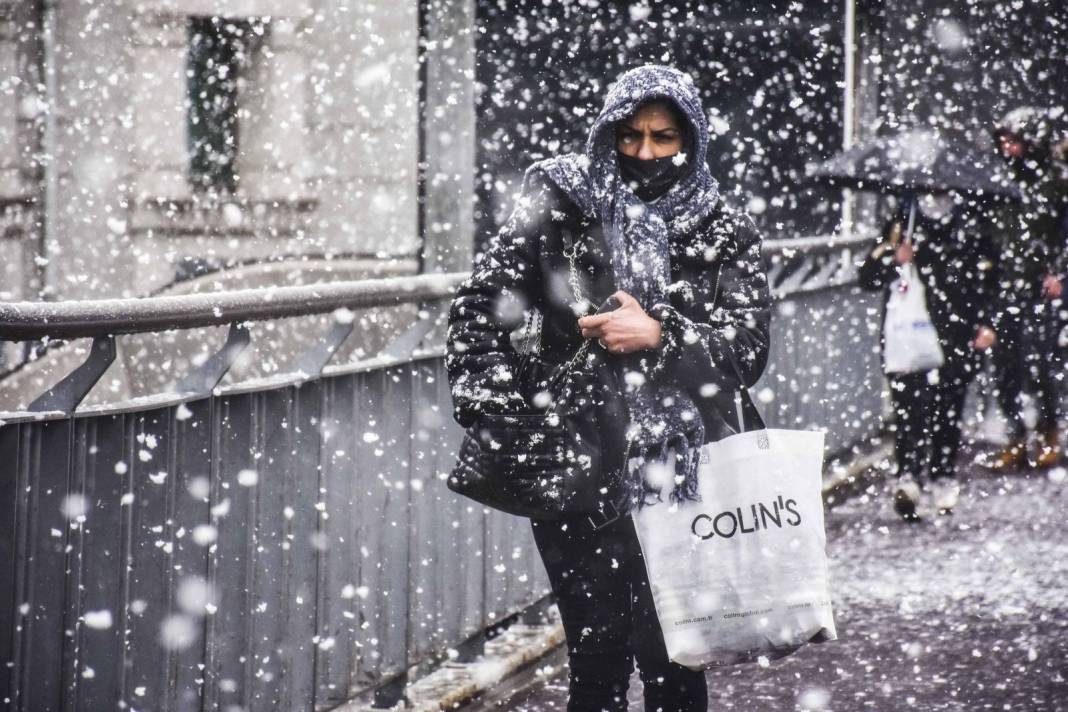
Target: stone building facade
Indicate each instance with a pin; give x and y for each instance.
(100, 192)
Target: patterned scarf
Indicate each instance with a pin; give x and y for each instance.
(663, 418)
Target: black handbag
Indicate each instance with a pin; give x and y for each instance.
(567, 459)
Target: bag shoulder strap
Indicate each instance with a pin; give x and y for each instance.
(744, 410)
(743, 399)
(571, 253)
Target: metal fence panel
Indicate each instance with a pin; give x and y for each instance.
(459, 532)
(153, 548)
(285, 486)
(191, 507)
(434, 555)
(40, 578)
(382, 457)
(512, 567)
(10, 489)
(12, 518)
(96, 579)
(271, 526)
(338, 596)
(309, 546)
(229, 670)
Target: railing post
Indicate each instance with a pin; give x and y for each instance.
(202, 380)
(402, 347)
(314, 360)
(68, 393)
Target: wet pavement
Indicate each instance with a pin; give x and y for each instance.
(960, 612)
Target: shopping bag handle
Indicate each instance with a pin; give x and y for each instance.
(742, 397)
(743, 401)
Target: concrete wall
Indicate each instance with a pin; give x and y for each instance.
(21, 120)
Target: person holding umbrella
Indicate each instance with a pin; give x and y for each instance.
(955, 264)
(1034, 262)
(935, 238)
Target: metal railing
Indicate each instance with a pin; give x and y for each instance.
(291, 545)
(33, 320)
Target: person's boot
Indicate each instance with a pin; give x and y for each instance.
(1049, 452)
(945, 493)
(907, 499)
(1011, 457)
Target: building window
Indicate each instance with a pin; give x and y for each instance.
(219, 53)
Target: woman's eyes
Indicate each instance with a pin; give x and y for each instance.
(659, 138)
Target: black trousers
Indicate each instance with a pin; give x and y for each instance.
(928, 418)
(1026, 358)
(602, 591)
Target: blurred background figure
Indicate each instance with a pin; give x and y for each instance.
(1034, 257)
(956, 263)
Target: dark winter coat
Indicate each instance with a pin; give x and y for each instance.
(958, 265)
(1033, 233)
(717, 316)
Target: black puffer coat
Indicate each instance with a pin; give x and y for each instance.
(718, 314)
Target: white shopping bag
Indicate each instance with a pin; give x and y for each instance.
(910, 342)
(743, 573)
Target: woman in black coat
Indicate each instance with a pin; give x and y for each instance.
(642, 219)
(956, 262)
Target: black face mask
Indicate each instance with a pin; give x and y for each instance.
(653, 176)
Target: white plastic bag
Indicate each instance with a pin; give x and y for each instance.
(909, 338)
(743, 573)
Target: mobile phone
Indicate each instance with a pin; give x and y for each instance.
(610, 304)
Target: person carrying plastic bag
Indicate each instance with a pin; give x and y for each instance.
(951, 264)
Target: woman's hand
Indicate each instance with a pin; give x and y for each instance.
(1051, 287)
(625, 329)
(984, 338)
(903, 254)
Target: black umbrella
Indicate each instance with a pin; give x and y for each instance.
(916, 161)
(920, 161)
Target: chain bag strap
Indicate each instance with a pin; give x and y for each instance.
(570, 252)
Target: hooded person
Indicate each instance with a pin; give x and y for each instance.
(1027, 138)
(1033, 238)
(638, 216)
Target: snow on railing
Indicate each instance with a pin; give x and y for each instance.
(806, 264)
(21, 321)
(795, 266)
